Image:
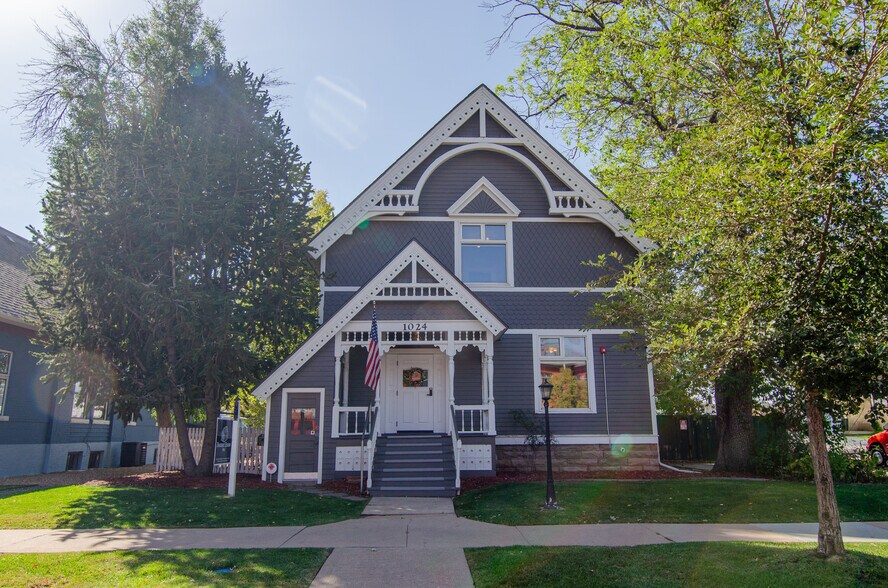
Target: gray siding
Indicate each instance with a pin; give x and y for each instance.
(454, 177)
(627, 390)
(29, 402)
(568, 245)
(470, 128)
(540, 310)
(359, 393)
(554, 181)
(317, 372)
(354, 259)
(495, 130)
(410, 181)
(467, 376)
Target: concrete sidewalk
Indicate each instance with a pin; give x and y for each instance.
(419, 532)
(413, 542)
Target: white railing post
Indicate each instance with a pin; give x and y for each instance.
(490, 402)
(337, 376)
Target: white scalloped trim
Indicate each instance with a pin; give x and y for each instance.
(412, 252)
(362, 207)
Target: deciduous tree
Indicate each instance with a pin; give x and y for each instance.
(747, 139)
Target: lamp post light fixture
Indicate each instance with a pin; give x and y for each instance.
(546, 394)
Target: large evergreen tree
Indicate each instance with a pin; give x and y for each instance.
(748, 140)
(175, 224)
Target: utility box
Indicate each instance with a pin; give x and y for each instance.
(133, 453)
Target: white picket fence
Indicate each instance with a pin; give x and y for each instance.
(169, 458)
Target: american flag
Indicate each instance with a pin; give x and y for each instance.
(372, 371)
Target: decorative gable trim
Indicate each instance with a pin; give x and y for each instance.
(382, 287)
(583, 199)
(483, 186)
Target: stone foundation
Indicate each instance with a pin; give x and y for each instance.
(577, 458)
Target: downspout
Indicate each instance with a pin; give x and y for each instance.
(654, 423)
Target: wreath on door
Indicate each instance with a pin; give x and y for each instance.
(415, 378)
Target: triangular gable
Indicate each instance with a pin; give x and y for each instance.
(475, 201)
(584, 198)
(375, 289)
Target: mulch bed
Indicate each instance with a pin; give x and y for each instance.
(180, 480)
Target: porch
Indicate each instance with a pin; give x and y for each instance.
(433, 414)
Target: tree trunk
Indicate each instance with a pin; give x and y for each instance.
(829, 535)
(188, 463)
(212, 410)
(733, 408)
(164, 416)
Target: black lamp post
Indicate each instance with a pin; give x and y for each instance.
(546, 394)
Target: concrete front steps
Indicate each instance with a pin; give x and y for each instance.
(415, 464)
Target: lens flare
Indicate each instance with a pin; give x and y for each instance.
(621, 446)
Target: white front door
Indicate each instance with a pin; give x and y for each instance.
(415, 393)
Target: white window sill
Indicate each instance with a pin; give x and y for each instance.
(567, 411)
(101, 422)
(3, 418)
(482, 285)
(79, 421)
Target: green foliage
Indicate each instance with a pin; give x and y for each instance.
(321, 212)
(174, 247)
(568, 391)
(851, 468)
(746, 140)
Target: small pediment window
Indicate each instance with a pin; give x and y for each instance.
(483, 199)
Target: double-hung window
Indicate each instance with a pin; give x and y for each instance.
(484, 253)
(5, 366)
(563, 361)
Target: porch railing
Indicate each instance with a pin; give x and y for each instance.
(352, 420)
(472, 418)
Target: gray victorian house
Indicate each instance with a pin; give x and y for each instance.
(470, 247)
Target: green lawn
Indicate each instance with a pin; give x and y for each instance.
(668, 501)
(679, 565)
(92, 507)
(198, 567)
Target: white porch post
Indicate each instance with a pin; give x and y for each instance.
(451, 370)
(337, 377)
(484, 391)
(490, 403)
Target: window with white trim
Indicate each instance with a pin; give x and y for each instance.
(79, 413)
(483, 255)
(563, 360)
(5, 366)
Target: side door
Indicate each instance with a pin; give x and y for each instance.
(303, 433)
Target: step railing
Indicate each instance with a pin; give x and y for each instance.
(457, 444)
(372, 421)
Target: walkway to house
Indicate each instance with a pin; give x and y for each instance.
(413, 541)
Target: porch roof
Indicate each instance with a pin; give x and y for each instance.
(447, 288)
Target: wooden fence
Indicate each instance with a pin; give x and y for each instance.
(169, 458)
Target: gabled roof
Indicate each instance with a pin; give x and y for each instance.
(14, 278)
(413, 252)
(582, 199)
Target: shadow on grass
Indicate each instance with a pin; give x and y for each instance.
(176, 508)
(689, 564)
(267, 567)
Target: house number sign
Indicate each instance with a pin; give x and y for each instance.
(414, 326)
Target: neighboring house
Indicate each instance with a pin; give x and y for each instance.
(41, 432)
(471, 248)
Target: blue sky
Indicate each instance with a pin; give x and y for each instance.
(364, 80)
